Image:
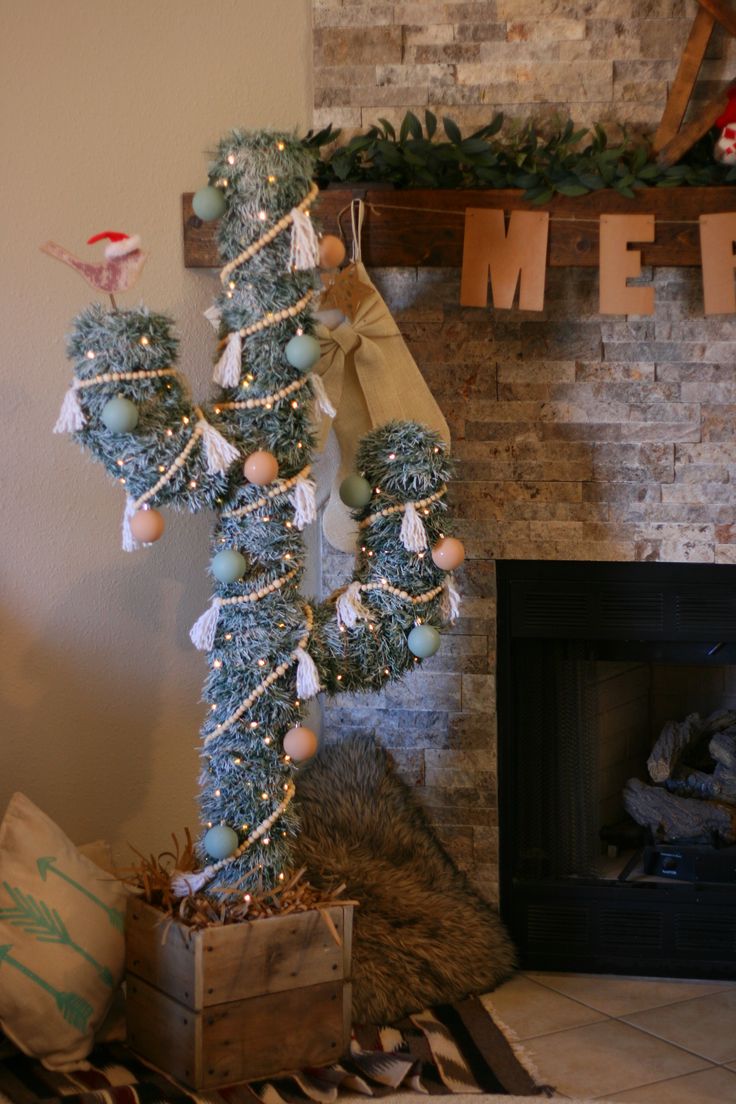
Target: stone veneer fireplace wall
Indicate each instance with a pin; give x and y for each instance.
(577, 437)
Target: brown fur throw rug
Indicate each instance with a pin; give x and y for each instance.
(422, 936)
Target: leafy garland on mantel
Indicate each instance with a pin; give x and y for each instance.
(543, 159)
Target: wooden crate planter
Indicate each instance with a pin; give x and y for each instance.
(239, 1002)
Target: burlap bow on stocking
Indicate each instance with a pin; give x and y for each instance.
(371, 378)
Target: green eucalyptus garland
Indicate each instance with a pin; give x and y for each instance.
(543, 159)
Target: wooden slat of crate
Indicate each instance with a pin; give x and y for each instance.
(243, 1040)
(236, 961)
(424, 226)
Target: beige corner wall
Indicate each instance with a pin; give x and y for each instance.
(107, 111)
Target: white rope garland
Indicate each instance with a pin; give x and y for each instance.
(265, 239)
(400, 507)
(71, 416)
(282, 487)
(304, 691)
(266, 401)
(184, 883)
(202, 632)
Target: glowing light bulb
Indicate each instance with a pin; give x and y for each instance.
(231, 285)
(271, 179)
(281, 146)
(261, 663)
(90, 355)
(392, 456)
(267, 741)
(192, 484)
(169, 433)
(231, 159)
(246, 896)
(217, 664)
(213, 707)
(281, 876)
(145, 340)
(264, 796)
(218, 410)
(262, 216)
(162, 467)
(228, 636)
(119, 462)
(185, 419)
(339, 678)
(209, 823)
(218, 793)
(237, 760)
(266, 840)
(299, 332)
(294, 404)
(122, 480)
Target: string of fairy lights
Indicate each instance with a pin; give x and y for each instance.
(223, 842)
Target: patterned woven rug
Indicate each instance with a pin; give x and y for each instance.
(451, 1049)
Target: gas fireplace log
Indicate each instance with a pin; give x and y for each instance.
(671, 817)
(680, 739)
(719, 786)
(723, 749)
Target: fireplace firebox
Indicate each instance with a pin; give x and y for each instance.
(593, 660)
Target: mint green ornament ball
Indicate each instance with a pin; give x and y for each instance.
(220, 841)
(229, 566)
(208, 203)
(303, 352)
(355, 491)
(120, 415)
(423, 641)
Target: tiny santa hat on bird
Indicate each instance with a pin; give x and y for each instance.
(120, 244)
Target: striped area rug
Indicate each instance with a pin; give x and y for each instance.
(447, 1050)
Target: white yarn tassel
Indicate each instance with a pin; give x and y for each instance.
(320, 394)
(130, 544)
(450, 601)
(413, 534)
(213, 316)
(307, 675)
(349, 608)
(229, 366)
(219, 452)
(71, 416)
(202, 632)
(186, 882)
(304, 500)
(304, 252)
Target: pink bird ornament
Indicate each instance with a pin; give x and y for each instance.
(124, 260)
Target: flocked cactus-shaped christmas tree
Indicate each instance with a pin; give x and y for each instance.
(248, 456)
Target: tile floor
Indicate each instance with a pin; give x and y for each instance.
(647, 1041)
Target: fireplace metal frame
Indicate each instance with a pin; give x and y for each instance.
(658, 611)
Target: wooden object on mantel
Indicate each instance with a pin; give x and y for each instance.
(425, 226)
(239, 1002)
(670, 143)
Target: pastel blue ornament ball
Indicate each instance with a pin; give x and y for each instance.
(423, 641)
(355, 491)
(120, 415)
(229, 566)
(303, 352)
(208, 203)
(220, 841)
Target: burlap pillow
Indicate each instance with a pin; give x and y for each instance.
(61, 939)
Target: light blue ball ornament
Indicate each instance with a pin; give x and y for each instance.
(120, 415)
(303, 352)
(229, 566)
(423, 641)
(355, 491)
(208, 203)
(220, 841)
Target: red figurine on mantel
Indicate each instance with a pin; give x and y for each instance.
(124, 260)
(725, 147)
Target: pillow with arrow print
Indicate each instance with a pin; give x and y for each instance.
(61, 939)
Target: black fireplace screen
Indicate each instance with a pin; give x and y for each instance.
(575, 887)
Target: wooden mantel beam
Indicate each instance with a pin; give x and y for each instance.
(424, 226)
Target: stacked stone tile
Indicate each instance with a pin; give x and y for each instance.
(607, 60)
(577, 436)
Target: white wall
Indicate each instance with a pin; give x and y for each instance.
(107, 112)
